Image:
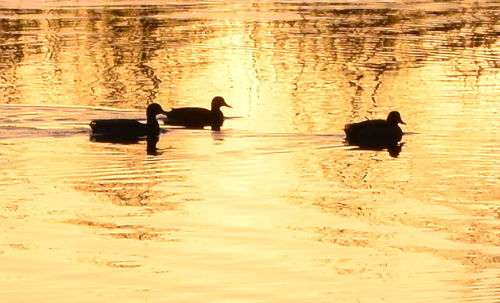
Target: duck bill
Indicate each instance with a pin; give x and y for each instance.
(225, 104)
(164, 113)
(402, 122)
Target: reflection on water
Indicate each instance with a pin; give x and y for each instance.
(275, 207)
(393, 149)
(151, 141)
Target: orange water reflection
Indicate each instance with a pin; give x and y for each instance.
(274, 207)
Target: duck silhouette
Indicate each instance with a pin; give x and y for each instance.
(197, 117)
(127, 130)
(375, 133)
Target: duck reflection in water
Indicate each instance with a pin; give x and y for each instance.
(197, 117)
(151, 142)
(394, 149)
(377, 134)
(129, 131)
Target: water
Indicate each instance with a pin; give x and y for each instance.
(275, 207)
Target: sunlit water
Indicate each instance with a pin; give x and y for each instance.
(275, 207)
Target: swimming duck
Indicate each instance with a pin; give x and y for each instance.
(127, 129)
(197, 117)
(373, 133)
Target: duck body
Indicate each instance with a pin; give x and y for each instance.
(197, 117)
(194, 117)
(375, 133)
(124, 130)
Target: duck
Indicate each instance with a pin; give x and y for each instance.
(121, 130)
(197, 117)
(375, 133)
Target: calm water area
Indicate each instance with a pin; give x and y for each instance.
(275, 207)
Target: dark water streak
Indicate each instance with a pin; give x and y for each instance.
(365, 41)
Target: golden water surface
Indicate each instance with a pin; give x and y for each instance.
(275, 207)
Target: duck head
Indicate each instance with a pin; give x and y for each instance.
(218, 102)
(394, 118)
(154, 109)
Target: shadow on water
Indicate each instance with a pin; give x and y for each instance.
(393, 149)
(151, 141)
(217, 135)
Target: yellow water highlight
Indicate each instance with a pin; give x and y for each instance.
(248, 231)
(274, 207)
